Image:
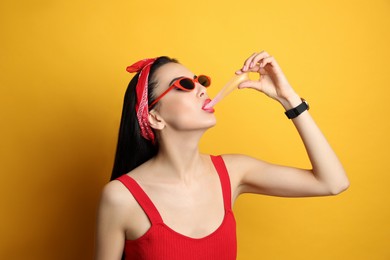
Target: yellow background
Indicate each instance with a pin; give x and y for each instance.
(62, 67)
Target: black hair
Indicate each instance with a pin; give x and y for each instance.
(132, 149)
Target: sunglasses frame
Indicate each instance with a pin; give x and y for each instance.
(176, 84)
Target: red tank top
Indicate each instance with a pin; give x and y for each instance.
(162, 243)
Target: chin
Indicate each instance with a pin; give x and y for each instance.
(211, 123)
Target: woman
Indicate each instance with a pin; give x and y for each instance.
(166, 200)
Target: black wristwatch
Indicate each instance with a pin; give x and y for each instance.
(296, 111)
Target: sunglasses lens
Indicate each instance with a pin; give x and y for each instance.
(187, 84)
(204, 80)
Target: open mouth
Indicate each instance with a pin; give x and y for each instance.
(207, 109)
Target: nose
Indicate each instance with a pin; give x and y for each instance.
(202, 91)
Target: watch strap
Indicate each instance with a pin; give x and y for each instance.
(296, 111)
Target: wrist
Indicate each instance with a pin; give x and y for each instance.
(296, 111)
(291, 101)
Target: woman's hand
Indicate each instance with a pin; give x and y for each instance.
(272, 80)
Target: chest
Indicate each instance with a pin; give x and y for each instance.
(195, 210)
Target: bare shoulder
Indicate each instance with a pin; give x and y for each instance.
(116, 205)
(116, 198)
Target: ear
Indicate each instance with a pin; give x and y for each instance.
(155, 121)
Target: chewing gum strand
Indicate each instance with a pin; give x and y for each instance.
(229, 87)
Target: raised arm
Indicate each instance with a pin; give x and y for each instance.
(327, 176)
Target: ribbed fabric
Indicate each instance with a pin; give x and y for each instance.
(160, 242)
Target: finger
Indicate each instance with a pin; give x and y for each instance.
(268, 60)
(247, 62)
(239, 72)
(270, 65)
(256, 68)
(258, 58)
(251, 62)
(249, 69)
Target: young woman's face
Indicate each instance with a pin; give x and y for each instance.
(180, 109)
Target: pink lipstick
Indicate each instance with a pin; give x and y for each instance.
(207, 109)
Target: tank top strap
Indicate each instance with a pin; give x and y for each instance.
(142, 198)
(220, 166)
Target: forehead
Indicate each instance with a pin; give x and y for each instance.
(166, 73)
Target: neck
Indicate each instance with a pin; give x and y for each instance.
(180, 156)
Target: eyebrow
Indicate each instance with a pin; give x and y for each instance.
(170, 83)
